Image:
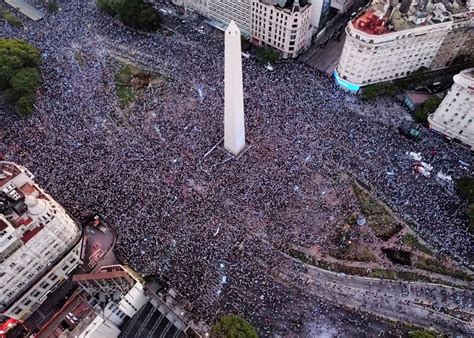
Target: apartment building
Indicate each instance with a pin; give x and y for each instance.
(124, 307)
(224, 11)
(285, 26)
(455, 114)
(387, 43)
(40, 244)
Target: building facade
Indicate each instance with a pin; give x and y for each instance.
(40, 244)
(387, 43)
(454, 116)
(286, 28)
(199, 6)
(224, 11)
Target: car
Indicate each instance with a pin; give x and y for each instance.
(246, 55)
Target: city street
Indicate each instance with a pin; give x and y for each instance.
(325, 59)
(421, 304)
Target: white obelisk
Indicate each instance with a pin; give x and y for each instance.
(234, 125)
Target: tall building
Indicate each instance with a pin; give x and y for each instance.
(124, 307)
(455, 114)
(391, 40)
(40, 244)
(239, 11)
(283, 25)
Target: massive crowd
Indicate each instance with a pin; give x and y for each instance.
(141, 167)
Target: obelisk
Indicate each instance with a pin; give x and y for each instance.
(234, 124)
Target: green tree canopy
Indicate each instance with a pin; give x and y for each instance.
(421, 113)
(19, 73)
(266, 54)
(134, 13)
(233, 326)
(422, 334)
(465, 187)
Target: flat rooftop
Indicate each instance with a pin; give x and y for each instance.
(382, 19)
(26, 9)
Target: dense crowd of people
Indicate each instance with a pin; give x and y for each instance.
(141, 167)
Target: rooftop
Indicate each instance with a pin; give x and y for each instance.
(386, 17)
(285, 4)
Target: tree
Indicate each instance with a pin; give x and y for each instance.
(19, 74)
(52, 6)
(421, 113)
(465, 188)
(267, 55)
(233, 326)
(12, 19)
(133, 13)
(379, 89)
(422, 334)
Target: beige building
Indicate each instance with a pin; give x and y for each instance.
(40, 244)
(386, 43)
(285, 27)
(455, 114)
(224, 11)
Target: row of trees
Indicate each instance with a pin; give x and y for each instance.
(392, 88)
(19, 74)
(133, 13)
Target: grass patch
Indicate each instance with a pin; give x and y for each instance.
(354, 252)
(129, 81)
(12, 19)
(379, 219)
(374, 273)
(429, 264)
(80, 60)
(411, 240)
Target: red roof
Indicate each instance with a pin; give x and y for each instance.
(31, 233)
(370, 23)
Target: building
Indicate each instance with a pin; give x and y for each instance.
(455, 114)
(40, 244)
(414, 99)
(283, 25)
(387, 43)
(342, 5)
(125, 308)
(198, 6)
(225, 11)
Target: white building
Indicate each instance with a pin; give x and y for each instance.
(455, 114)
(285, 26)
(224, 11)
(40, 244)
(387, 43)
(123, 306)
